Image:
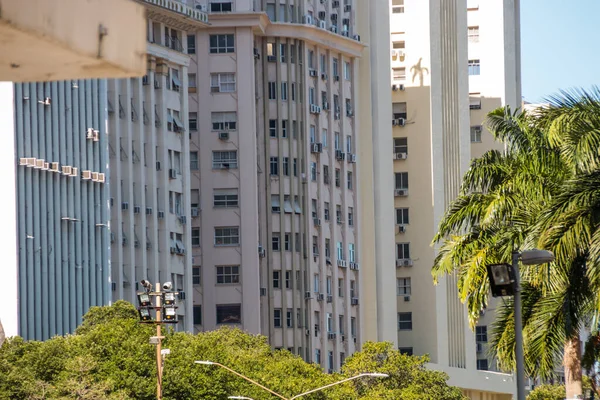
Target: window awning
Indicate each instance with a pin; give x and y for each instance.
(287, 206)
(275, 200)
(297, 207)
(175, 80)
(177, 122)
(475, 102)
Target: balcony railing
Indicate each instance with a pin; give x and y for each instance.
(180, 8)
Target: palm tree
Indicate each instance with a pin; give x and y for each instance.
(542, 191)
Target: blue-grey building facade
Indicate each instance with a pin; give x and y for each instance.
(62, 204)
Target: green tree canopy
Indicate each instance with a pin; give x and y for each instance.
(110, 357)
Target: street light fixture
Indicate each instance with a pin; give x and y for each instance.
(240, 398)
(505, 280)
(368, 374)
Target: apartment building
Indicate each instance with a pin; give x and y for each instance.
(274, 174)
(149, 144)
(451, 63)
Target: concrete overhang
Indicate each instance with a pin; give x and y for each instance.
(483, 381)
(263, 26)
(45, 40)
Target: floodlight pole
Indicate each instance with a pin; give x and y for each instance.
(518, 328)
(158, 344)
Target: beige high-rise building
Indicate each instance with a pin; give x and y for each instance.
(452, 61)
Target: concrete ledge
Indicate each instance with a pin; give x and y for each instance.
(42, 40)
(479, 381)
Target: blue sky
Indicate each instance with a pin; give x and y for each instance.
(560, 45)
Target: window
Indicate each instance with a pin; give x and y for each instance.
(326, 211)
(349, 144)
(481, 334)
(351, 216)
(276, 279)
(313, 171)
(324, 138)
(222, 83)
(193, 121)
(288, 275)
(220, 6)
(272, 90)
(317, 356)
(275, 204)
(297, 247)
(311, 59)
(335, 67)
(340, 287)
(474, 67)
(220, 44)
(271, 11)
(328, 286)
(273, 128)
(193, 160)
(316, 283)
(473, 34)
(229, 314)
(276, 242)
(402, 216)
(340, 250)
(227, 236)
(225, 198)
(338, 214)
(191, 44)
(397, 6)
(351, 252)
(401, 145)
(353, 326)
(284, 128)
(227, 274)
(399, 110)
(282, 47)
(197, 315)
(284, 90)
(311, 96)
(350, 180)
(326, 174)
(347, 71)
(196, 276)
(224, 121)
(192, 83)
(407, 351)
(402, 250)
(475, 101)
(338, 177)
(195, 237)
(342, 358)
(323, 63)
(293, 91)
(482, 365)
(405, 321)
(224, 159)
(277, 317)
(286, 166)
(336, 141)
(289, 318)
(274, 166)
(403, 286)
(399, 74)
(401, 180)
(315, 246)
(476, 134)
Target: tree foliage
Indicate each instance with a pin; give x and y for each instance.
(547, 392)
(110, 357)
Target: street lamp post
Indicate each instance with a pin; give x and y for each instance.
(165, 313)
(505, 280)
(368, 374)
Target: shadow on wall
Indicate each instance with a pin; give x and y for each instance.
(418, 71)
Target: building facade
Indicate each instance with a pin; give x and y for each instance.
(61, 149)
(451, 63)
(274, 174)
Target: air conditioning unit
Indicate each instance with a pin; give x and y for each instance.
(271, 58)
(347, 8)
(356, 37)
(336, 78)
(86, 175)
(308, 295)
(346, 33)
(124, 205)
(183, 219)
(90, 133)
(263, 291)
(201, 7)
(54, 167)
(400, 156)
(223, 135)
(101, 177)
(400, 192)
(136, 209)
(406, 298)
(354, 265)
(401, 87)
(158, 165)
(320, 297)
(331, 335)
(401, 228)
(94, 176)
(479, 348)
(325, 105)
(312, 72)
(173, 250)
(262, 253)
(323, 24)
(398, 122)
(39, 163)
(334, 17)
(329, 298)
(161, 214)
(334, 28)
(317, 221)
(256, 54)
(323, 75)
(194, 211)
(215, 89)
(341, 263)
(352, 159)
(307, 19)
(308, 332)
(28, 162)
(74, 172)
(404, 262)
(354, 301)
(148, 210)
(335, 4)
(340, 155)
(145, 80)
(343, 338)
(315, 109)
(316, 148)
(172, 173)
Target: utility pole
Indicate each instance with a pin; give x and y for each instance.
(169, 317)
